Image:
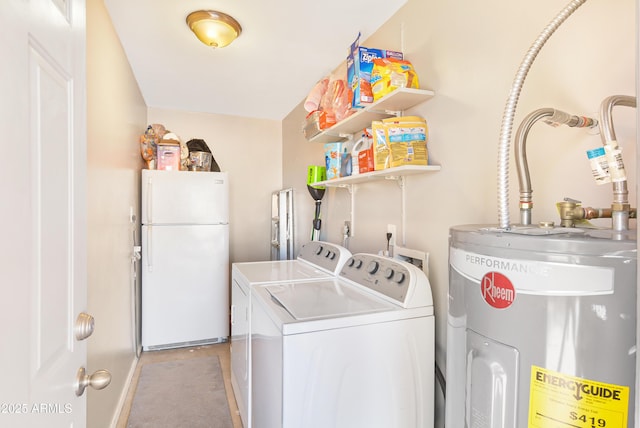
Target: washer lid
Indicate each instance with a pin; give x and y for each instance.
(278, 271)
(325, 299)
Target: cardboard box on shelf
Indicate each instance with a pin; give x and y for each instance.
(337, 160)
(168, 156)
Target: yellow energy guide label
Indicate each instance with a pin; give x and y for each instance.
(557, 400)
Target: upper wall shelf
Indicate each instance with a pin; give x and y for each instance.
(391, 105)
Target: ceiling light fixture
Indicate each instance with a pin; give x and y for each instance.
(213, 28)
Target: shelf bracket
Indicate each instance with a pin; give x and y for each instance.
(352, 193)
(346, 186)
(403, 213)
(395, 113)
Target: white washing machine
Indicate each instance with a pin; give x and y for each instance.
(355, 351)
(316, 260)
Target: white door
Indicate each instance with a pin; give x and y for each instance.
(42, 211)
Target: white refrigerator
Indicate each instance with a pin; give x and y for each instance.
(185, 258)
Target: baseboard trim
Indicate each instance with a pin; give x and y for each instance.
(125, 392)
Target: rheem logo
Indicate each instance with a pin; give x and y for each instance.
(497, 290)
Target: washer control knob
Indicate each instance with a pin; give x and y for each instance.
(329, 254)
(399, 277)
(388, 273)
(358, 264)
(319, 250)
(373, 267)
(351, 262)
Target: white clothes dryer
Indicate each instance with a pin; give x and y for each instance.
(355, 351)
(316, 260)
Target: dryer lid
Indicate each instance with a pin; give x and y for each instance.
(325, 299)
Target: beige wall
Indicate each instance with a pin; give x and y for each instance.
(298, 154)
(468, 53)
(116, 115)
(250, 150)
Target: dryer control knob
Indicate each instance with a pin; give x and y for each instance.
(358, 264)
(399, 277)
(351, 262)
(388, 273)
(319, 250)
(373, 267)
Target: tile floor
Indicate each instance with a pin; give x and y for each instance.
(221, 350)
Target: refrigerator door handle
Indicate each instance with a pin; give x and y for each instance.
(148, 249)
(149, 200)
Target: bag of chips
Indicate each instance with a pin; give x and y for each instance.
(407, 138)
(388, 74)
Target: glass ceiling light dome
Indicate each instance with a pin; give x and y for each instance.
(213, 28)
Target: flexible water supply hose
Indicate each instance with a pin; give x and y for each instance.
(620, 218)
(554, 118)
(510, 109)
(522, 166)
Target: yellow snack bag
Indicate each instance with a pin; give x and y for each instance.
(388, 74)
(407, 140)
(380, 146)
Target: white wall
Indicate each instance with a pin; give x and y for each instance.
(468, 53)
(116, 115)
(250, 150)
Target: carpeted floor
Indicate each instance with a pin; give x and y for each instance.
(181, 393)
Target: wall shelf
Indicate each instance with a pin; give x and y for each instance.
(384, 174)
(391, 105)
